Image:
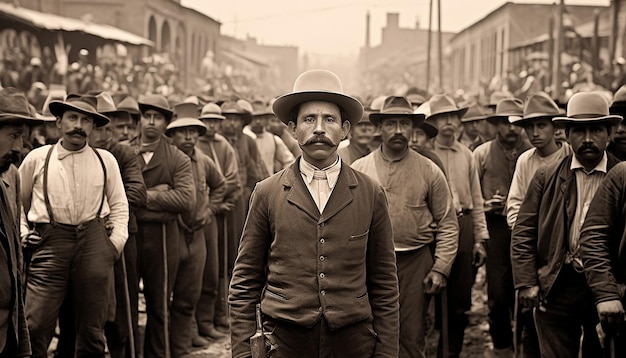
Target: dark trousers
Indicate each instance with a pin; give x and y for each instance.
(413, 266)
(187, 287)
(500, 292)
(460, 284)
(569, 311)
(353, 341)
(205, 311)
(116, 328)
(78, 260)
(151, 269)
(529, 339)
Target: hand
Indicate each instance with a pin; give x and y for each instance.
(529, 297)
(31, 241)
(479, 254)
(224, 208)
(611, 317)
(434, 283)
(108, 226)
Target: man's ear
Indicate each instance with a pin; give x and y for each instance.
(345, 126)
(292, 128)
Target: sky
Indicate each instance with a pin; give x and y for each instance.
(338, 26)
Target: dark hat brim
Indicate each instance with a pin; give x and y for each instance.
(460, 111)
(524, 120)
(57, 108)
(495, 118)
(430, 130)
(247, 117)
(286, 103)
(9, 118)
(472, 119)
(167, 112)
(417, 118)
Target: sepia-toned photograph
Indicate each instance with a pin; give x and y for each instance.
(327, 179)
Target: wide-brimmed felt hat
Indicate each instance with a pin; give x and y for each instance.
(105, 104)
(430, 130)
(585, 107)
(474, 113)
(211, 111)
(440, 104)
(317, 85)
(241, 107)
(85, 104)
(539, 105)
(156, 102)
(377, 103)
(14, 108)
(365, 119)
(185, 115)
(53, 95)
(130, 106)
(508, 107)
(416, 99)
(259, 109)
(394, 107)
(497, 96)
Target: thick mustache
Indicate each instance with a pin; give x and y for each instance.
(77, 132)
(399, 137)
(319, 139)
(588, 147)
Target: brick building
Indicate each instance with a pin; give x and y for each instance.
(483, 49)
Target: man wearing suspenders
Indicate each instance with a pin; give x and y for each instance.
(68, 189)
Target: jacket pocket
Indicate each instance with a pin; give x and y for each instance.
(360, 236)
(280, 296)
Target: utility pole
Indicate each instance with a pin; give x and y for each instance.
(615, 8)
(439, 44)
(430, 28)
(558, 50)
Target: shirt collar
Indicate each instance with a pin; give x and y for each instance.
(64, 153)
(332, 171)
(454, 147)
(601, 167)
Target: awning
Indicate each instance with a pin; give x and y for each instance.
(60, 23)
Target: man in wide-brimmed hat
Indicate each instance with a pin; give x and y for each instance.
(361, 137)
(473, 122)
(462, 173)
(275, 154)
(310, 232)
(211, 311)
(546, 248)
(422, 214)
(169, 181)
(495, 161)
(185, 131)
(14, 118)
(617, 147)
(539, 110)
(67, 190)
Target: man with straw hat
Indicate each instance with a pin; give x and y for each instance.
(317, 250)
(171, 192)
(67, 191)
(422, 215)
(546, 248)
(14, 118)
(211, 311)
(210, 186)
(462, 175)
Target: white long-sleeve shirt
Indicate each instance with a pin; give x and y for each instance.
(525, 168)
(75, 185)
(273, 150)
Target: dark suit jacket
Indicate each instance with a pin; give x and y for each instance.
(541, 233)
(12, 320)
(301, 264)
(172, 167)
(603, 237)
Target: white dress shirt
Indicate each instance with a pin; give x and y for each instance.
(320, 189)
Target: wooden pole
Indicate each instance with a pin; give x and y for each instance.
(615, 7)
(595, 44)
(430, 31)
(551, 48)
(439, 45)
(558, 50)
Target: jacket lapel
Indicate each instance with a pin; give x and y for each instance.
(299, 194)
(342, 193)
(157, 157)
(568, 188)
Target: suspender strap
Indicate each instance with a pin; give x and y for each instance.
(45, 184)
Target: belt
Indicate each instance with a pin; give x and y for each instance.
(78, 227)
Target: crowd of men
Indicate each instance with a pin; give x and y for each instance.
(335, 223)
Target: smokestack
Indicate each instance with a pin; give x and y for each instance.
(367, 30)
